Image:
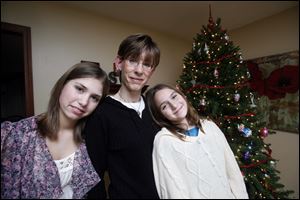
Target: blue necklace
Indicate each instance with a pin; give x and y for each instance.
(192, 132)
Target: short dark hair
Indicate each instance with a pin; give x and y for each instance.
(134, 45)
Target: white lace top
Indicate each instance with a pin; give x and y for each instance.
(65, 169)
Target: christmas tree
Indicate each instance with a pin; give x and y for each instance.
(215, 81)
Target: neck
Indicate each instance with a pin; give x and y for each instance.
(66, 123)
(129, 96)
(184, 124)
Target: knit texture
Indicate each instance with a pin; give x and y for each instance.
(200, 167)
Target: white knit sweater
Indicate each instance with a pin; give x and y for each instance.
(199, 167)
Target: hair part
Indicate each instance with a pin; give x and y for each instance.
(48, 122)
(193, 117)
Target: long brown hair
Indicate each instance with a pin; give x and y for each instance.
(48, 122)
(193, 117)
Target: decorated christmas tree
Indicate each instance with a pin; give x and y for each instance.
(215, 81)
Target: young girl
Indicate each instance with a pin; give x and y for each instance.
(45, 156)
(191, 157)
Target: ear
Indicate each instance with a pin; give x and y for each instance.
(118, 64)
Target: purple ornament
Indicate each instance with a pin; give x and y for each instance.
(237, 97)
(216, 73)
(202, 102)
(247, 155)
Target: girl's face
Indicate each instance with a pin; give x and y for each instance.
(80, 97)
(171, 104)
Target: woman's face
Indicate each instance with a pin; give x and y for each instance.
(171, 104)
(80, 97)
(135, 73)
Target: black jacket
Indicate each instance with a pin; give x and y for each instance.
(120, 142)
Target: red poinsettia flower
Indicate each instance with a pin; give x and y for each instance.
(281, 81)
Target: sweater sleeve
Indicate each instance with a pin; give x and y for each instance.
(10, 161)
(94, 133)
(233, 171)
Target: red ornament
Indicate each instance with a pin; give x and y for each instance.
(264, 132)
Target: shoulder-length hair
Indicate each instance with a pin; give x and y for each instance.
(48, 122)
(193, 117)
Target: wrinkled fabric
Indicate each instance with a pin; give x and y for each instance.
(28, 169)
(202, 167)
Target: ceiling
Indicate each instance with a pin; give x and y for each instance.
(184, 19)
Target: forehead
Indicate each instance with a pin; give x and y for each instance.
(92, 84)
(144, 55)
(163, 95)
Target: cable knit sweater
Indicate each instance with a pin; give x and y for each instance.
(199, 167)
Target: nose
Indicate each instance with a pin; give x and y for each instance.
(83, 100)
(173, 105)
(139, 68)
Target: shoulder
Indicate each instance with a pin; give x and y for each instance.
(211, 128)
(165, 138)
(16, 133)
(23, 125)
(162, 133)
(209, 125)
(109, 106)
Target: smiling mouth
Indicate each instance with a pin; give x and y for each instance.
(136, 79)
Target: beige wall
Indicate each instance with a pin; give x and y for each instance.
(273, 35)
(285, 148)
(62, 36)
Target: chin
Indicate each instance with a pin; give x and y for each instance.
(75, 117)
(136, 87)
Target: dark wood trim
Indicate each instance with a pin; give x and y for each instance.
(25, 32)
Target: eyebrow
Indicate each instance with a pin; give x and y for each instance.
(98, 95)
(169, 96)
